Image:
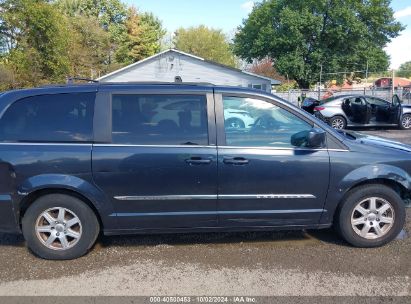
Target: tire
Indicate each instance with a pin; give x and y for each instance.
(405, 123)
(235, 123)
(74, 234)
(338, 122)
(348, 216)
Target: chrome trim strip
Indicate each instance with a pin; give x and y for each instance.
(181, 213)
(265, 196)
(44, 144)
(164, 146)
(153, 146)
(165, 197)
(282, 148)
(212, 197)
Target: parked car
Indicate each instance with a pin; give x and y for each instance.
(309, 104)
(80, 160)
(364, 111)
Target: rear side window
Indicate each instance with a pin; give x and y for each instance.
(49, 118)
(160, 119)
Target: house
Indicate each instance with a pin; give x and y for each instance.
(386, 82)
(167, 65)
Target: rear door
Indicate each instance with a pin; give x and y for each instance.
(159, 167)
(263, 179)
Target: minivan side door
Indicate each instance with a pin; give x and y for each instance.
(159, 167)
(263, 179)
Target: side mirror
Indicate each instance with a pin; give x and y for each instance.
(314, 138)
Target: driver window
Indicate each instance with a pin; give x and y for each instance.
(256, 123)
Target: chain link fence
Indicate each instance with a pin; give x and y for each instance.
(297, 96)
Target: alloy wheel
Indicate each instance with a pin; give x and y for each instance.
(372, 218)
(58, 228)
(338, 124)
(406, 122)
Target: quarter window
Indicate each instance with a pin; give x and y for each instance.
(160, 119)
(50, 118)
(256, 123)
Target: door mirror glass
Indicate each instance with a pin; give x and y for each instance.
(314, 138)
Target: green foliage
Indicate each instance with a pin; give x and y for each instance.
(300, 36)
(43, 41)
(144, 34)
(90, 47)
(37, 38)
(205, 42)
(405, 70)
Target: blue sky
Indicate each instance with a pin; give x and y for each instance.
(228, 14)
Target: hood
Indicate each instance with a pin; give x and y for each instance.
(376, 141)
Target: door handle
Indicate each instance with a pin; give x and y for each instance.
(198, 161)
(237, 161)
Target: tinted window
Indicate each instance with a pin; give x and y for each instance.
(257, 123)
(160, 119)
(50, 118)
(376, 101)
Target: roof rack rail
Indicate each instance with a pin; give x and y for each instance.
(70, 80)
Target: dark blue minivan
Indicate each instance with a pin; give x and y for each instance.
(77, 160)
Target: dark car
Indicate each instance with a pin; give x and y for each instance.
(364, 111)
(78, 160)
(309, 104)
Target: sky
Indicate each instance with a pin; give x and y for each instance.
(228, 15)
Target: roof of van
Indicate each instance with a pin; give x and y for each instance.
(78, 87)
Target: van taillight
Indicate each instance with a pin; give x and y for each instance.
(319, 108)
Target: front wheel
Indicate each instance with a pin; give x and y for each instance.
(405, 123)
(60, 227)
(371, 216)
(234, 123)
(338, 123)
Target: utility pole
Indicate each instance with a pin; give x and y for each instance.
(321, 79)
(366, 74)
(393, 83)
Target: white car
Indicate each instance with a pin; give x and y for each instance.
(238, 119)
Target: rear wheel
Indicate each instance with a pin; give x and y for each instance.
(60, 227)
(338, 123)
(405, 123)
(371, 216)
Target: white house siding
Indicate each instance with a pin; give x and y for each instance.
(164, 67)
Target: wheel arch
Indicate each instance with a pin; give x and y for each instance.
(381, 174)
(41, 185)
(399, 188)
(30, 198)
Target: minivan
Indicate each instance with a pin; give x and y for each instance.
(81, 160)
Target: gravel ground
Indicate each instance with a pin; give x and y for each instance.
(281, 263)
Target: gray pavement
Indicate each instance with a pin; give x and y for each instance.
(281, 263)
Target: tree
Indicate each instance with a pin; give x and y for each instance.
(205, 42)
(265, 68)
(302, 36)
(37, 41)
(405, 70)
(144, 34)
(89, 47)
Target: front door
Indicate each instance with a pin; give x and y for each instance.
(395, 110)
(263, 179)
(160, 170)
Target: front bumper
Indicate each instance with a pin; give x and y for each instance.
(8, 220)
